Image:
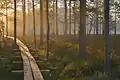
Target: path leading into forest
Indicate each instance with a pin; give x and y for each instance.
(31, 69)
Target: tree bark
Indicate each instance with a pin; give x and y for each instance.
(48, 29)
(24, 17)
(6, 19)
(34, 29)
(115, 23)
(70, 17)
(53, 26)
(107, 36)
(90, 26)
(96, 17)
(82, 30)
(57, 18)
(41, 23)
(66, 26)
(74, 18)
(15, 31)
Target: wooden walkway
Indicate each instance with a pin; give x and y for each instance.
(31, 69)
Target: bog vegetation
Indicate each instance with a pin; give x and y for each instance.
(69, 39)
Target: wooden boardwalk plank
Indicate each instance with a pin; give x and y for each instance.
(27, 68)
(30, 65)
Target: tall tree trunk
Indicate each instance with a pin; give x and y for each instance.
(100, 27)
(94, 26)
(107, 36)
(34, 23)
(74, 18)
(103, 28)
(24, 17)
(28, 15)
(53, 26)
(82, 30)
(66, 26)
(90, 26)
(115, 23)
(70, 17)
(15, 31)
(57, 18)
(100, 23)
(3, 28)
(41, 23)
(48, 29)
(6, 19)
(96, 17)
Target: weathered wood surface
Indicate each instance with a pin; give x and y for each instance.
(31, 69)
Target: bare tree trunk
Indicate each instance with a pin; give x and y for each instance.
(103, 28)
(57, 18)
(48, 29)
(70, 17)
(82, 30)
(100, 23)
(74, 18)
(97, 17)
(94, 26)
(115, 23)
(41, 23)
(53, 26)
(3, 28)
(66, 26)
(107, 36)
(6, 19)
(90, 26)
(34, 29)
(28, 14)
(24, 17)
(15, 32)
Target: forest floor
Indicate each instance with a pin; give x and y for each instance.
(65, 62)
(7, 56)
